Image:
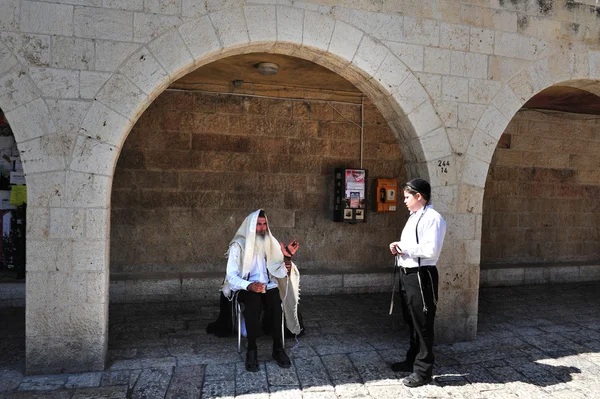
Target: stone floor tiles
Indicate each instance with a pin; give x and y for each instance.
(534, 341)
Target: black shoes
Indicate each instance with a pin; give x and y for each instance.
(402, 367)
(279, 355)
(252, 360)
(415, 380)
(281, 358)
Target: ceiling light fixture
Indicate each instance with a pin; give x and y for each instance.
(267, 68)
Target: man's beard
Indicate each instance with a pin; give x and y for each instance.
(261, 245)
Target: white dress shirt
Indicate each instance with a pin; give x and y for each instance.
(257, 274)
(431, 229)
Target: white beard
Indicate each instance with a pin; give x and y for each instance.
(261, 245)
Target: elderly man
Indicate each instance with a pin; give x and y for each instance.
(260, 270)
(417, 253)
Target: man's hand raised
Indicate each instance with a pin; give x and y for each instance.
(290, 249)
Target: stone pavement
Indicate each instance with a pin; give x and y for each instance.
(534, 342)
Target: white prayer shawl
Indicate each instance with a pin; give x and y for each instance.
(289, 286)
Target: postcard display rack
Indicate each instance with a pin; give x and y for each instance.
(350, 202)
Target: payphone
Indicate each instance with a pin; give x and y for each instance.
(387, 194)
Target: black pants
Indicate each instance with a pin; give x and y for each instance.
(420, 323)
(253, 306)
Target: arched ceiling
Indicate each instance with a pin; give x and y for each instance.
(297, 78)
(565, 99)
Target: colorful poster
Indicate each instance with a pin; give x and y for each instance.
(355, 188)
(355, 176)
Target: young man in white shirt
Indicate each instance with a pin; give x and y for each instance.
(417, 253)
(260, 269)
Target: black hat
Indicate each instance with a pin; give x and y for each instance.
(421, 186)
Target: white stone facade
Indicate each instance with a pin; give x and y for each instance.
(76, 74)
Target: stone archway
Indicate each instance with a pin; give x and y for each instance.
(62, 322)
(579, 70)
(43, 151)
(341, 48)
(81, 195)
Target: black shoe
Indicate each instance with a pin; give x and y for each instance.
(281, 358)
(252, 360)
(415, 380)
(404, 366)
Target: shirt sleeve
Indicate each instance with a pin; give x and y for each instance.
(236, 282)
(431, 239)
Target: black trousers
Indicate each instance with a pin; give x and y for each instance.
(420, 323)
(254, 304)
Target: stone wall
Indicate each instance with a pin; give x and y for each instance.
(196, 164)
(542, 196)
(493, 275)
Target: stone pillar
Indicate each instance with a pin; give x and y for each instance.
(459, 279)
(67, 272)
(461, 206)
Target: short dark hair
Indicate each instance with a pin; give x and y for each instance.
(261, 214)
(420, 186)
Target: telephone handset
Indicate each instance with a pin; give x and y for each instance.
(383, 196)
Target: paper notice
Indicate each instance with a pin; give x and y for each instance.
(17, 178)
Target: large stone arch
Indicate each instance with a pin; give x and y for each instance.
(579, 70)
(576, 69)
(338, 46)
(55, 291)
(74, 199)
